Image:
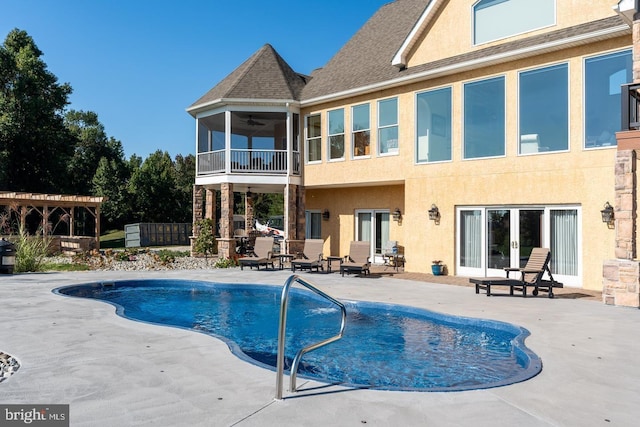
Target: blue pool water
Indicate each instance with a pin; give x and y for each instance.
(385, 346)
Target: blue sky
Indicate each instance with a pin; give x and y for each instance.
(140, 63)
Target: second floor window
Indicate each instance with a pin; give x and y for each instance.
(336, 134)
(602, 113)
(388, 126)
(360, 130)
(544, 110)
(434, 126)
(484, 118)
(313, 138)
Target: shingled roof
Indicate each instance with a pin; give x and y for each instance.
(366, 60)
(265, 75)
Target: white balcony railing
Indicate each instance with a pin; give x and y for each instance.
(248, 161)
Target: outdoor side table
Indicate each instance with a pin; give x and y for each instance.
(284, 258)
(393, 260)
(331, 259)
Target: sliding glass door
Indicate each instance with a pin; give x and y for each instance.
(490, 239)
(373, 226)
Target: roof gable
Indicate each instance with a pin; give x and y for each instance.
(265, 75)
(400, 58)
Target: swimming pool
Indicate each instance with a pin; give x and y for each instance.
(388, 347)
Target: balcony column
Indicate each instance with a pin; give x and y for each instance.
(248, 213)
(226, 242)
(197, 205)
(621, 276)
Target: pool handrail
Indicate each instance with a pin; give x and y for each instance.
(283, 326)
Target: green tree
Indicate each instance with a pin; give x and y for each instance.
(34, 142)
(153, 187)
(111, 181)
(185, 177)
(266, 205)
(91, 144)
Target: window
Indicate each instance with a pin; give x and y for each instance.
(484, 118)
(336, 134)
(388, 126)
(314, 138)
(360, 130)
(603, 77)
(433, 111)
(544, 110)
(314, 225)
(497, 19)
(203, 138)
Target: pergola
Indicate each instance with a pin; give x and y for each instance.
(45, 205)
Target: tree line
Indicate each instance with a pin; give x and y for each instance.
(47, 148)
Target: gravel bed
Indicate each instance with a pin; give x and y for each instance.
(141, 261)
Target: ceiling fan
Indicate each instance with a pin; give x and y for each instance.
(252, 122)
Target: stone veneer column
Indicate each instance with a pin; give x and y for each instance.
(621, 276)
(197, 207)
(296, 218)
(625, 204)
(226, 242)
(301, 219)
(248, 210)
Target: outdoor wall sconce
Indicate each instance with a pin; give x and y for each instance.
(397, 215)
(607, 213)
(434, 213)
(326, 215)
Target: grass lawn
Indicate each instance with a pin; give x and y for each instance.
(113, 239)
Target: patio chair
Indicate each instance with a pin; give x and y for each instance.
(531, 275)
(311, 256)
(358, 259)
(261, 254)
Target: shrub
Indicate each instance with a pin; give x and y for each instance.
(205, 243)
(31, 252)
(225, 263)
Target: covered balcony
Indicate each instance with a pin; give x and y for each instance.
(248, 143)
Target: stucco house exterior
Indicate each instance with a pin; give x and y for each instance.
(495, 118)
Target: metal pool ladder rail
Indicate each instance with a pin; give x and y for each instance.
(283, 326)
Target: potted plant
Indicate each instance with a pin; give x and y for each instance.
(437, 267)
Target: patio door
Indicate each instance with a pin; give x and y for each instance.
(511, 235)
(492, 238)
(373, 226)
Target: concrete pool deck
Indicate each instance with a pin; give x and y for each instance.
(117, 372)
